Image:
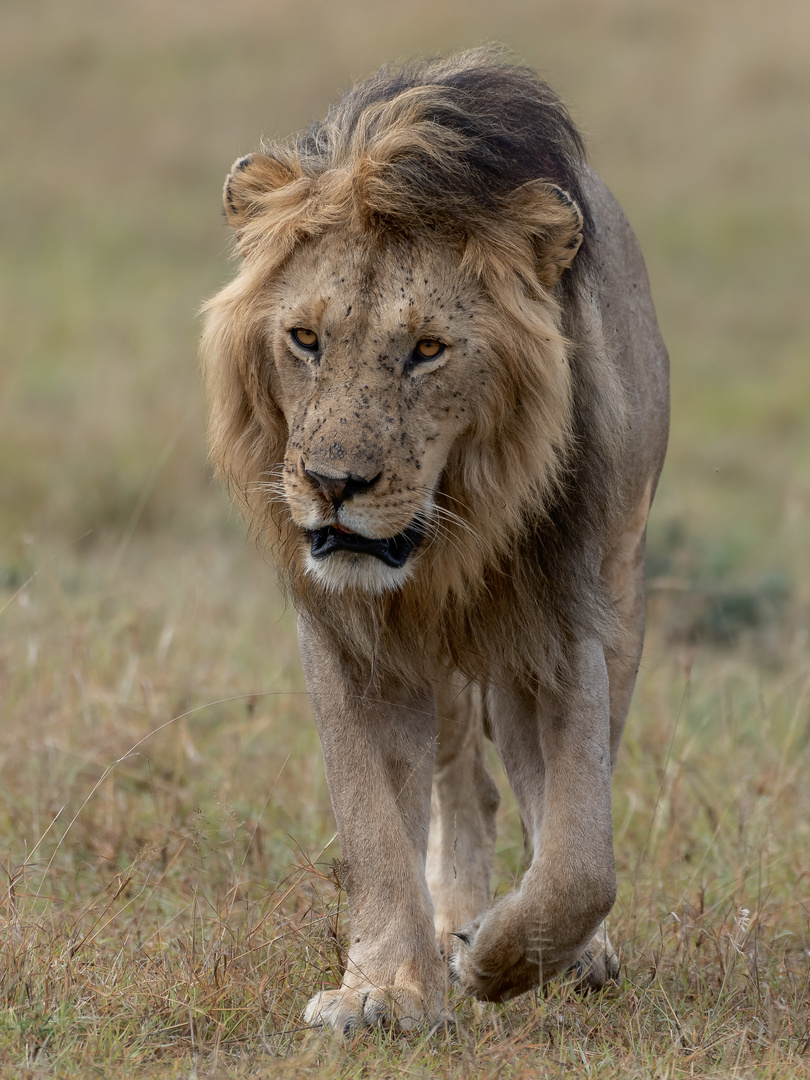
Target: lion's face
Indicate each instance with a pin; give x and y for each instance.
(379, 359)
(389, 392)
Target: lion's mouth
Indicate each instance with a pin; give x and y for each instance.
(392, 550)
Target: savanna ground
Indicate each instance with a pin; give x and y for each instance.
(167, 900)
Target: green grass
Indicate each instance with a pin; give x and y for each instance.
(167, 895)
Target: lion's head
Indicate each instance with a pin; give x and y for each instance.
(388, 379)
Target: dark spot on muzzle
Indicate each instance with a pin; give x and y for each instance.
(393, 550)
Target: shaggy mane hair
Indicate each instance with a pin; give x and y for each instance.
(444, 140)
(435, 151)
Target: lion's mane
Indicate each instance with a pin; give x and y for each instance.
(438, 150)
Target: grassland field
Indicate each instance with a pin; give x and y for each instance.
(167, 895)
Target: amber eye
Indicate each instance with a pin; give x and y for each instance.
(428, 349)
(305, 337)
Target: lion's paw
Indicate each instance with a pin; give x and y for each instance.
(598, 963)
(496, 958)
(347, 1011)
(491, 963)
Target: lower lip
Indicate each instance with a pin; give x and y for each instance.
(393, 551)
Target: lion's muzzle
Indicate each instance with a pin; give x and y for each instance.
(393, 551)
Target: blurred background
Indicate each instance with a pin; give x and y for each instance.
(119, 124)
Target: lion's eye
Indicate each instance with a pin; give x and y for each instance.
(428, 349)
(305, 337)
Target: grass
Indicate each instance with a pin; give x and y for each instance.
(168, 900)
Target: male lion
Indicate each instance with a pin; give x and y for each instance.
(438, 387)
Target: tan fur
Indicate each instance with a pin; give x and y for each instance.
(526, 452)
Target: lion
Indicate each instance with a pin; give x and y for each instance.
(437, 388)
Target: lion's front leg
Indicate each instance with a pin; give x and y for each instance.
(378, 749)
(556, 750)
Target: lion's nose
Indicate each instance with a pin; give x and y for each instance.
(341, 487)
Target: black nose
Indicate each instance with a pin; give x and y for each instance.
(339, 488)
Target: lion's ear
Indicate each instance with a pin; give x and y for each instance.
(249, 179)
(555, 223)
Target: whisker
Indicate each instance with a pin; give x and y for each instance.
(438, 529)
(273, 486)
(448, 517)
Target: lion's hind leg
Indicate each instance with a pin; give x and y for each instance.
(464, 802)
(623, 575)
(597, 964)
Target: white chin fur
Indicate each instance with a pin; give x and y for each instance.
(347, 570)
